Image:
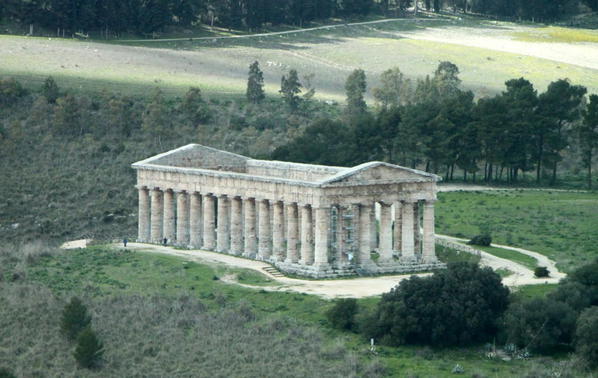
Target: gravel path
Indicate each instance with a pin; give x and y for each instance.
(338, 288)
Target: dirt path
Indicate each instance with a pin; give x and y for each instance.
(338, 288)
(521, 274)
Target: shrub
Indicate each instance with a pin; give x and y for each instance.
(89, 349)
(10, 91)
(50, 90)
(456, 306)
(541, 271)
(5, 373)
(483, 240)
(586, 336)
(543, 325)
(574, 294)
(74, 318)
(342, 314)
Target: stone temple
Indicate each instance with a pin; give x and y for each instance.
(311, 220)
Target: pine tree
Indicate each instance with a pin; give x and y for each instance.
(290, 87)
(89, 349)
(50, 90)
(355, 87)
(255, 84)
(588, 135)
(74, 318)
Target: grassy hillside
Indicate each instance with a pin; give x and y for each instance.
(487, 54)
(160, 315)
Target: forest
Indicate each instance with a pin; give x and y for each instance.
(112, 18)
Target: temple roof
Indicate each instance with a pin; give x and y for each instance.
(198, 159)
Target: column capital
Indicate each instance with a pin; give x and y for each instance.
(142, 187)
(430, 202)
(180, 191)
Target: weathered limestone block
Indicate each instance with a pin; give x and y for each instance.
(143, 235)
(264, 239)
(250, 247)
(157, 214)
(236, 226)
(307, 250)
(385, 234)
(292, 233)
(322, 220)
(223, 231)
(278, 231)
(195, 220)
(429, 243)
(182, 219)
(169, 231)
(209, 222)
(408, 251)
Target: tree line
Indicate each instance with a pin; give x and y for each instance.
(436, 125)
(114, 17)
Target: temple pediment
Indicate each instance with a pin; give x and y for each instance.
(380, 172)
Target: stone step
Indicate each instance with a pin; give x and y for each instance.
(273, 271)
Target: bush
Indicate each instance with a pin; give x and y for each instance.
(543, 325)
(50, 90)
(10, 91)
(484, 240)
(342, 314)
(541, 271)
(457, 306)
(74, 318)
(586, 336)
(89, 349)
(574, 294)
(5, 373)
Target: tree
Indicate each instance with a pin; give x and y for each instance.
(395, 89)
(342, 314)
(592, 4)
(542, 325)
(446, 79)
(50, 90)
(10, 91)
(456, 306)
(74, 318)
(355, 87)
(255, 84)
(5, 373)
(66, 115)
(588, 135)
(290, 87)
(557, 107)
(89, 349)
(586, 336)
(194, 107)
(156, 118)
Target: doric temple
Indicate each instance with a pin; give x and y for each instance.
(312, 220)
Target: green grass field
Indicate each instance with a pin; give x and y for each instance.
(560, 225)
(219, 66)
(508, 254)
(107, 274)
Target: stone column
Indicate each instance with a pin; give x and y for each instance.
(249, 228)
(356, 227)
(209, 222)
(278, 231)
(364, 258)
(292, 233)
(195, 221)
(182, 219)
(416, 229)
(222, 238)
(385, 234)
(157, 214)
(373, 229)
(398, 226)
(341, 257)
(169, 231)
(408, 250)
(322, 221)
(236, 226)
(264, 232)
(143, 235)
(307, 251)
(429, 248)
